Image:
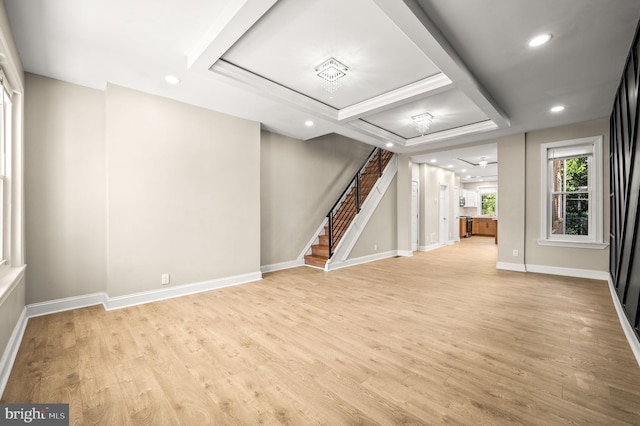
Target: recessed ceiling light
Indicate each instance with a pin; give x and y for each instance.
(539, 40)
(449, 165)
(480, 180)
(389, 144)
(308, 123)
(468, 177)
(463, 170)
(171, 79)
(433, 160)
(557, 108)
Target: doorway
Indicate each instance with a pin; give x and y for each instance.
(443, 228)
(415, 219)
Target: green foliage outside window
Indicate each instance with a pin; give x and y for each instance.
(577, 199)
(489, 204)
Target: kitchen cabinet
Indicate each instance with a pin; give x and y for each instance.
(484, 226)
(470, 199)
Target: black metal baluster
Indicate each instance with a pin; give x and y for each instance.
(330, 229)
(358, 192)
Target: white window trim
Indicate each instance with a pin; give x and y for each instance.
(596, 219)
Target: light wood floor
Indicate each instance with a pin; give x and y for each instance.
(441, 337)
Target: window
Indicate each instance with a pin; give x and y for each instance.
(572, 209)
(489, 204)
(488, 200)
(5, 148)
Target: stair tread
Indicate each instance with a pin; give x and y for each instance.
(315, 260)
(316, 256)
(343, 216)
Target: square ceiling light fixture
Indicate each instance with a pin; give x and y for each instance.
(422, 122)
(330, 71)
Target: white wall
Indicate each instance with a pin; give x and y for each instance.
(403, 215)
(65, 190)
(511, 201)
(123, 187)
(380, 235)
(300, 181)
(430, 180)
(183, 193)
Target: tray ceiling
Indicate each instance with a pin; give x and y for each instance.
(466, 62)
(397, 68)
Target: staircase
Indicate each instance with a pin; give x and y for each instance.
(348, 206)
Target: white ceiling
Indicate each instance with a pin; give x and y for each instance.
(465, 162)
(464, 61)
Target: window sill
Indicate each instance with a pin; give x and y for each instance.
(573, 244)
(9, 279)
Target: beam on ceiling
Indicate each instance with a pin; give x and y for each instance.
(235, 20)
(429, 86)
(411, 19)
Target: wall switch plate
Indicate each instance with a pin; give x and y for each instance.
(164, 278)
(375, 247)
(515, 252)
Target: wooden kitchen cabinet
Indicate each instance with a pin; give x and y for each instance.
(484, 226)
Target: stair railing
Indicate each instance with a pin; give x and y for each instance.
(342, 212)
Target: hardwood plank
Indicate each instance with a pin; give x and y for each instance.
(432, 339)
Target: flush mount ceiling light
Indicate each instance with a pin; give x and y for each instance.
(557, 108)
(422, 122)
(330, 71)
(482, 163)
(539, 40)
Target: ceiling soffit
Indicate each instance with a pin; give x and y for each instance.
(399, 66)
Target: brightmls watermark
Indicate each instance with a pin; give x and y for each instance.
(34, 414)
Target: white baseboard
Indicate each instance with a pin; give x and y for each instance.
(66, 304)
(282, 265)
(624, 322)
(183, 290)
(430, 247)
(506, 266)
(109, 303)
(11, 351)
(568, 272)
(405, 253)
(331, 266)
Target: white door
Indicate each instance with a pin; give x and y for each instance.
(456, 213)
(415, 212)
(444, 215)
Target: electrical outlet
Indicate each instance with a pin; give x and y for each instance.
(515, 252)
(164, 278)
